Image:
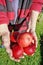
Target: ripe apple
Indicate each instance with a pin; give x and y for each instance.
(17, 51)
(29, 50)
(24, 39)
(12, 44)
(13, 36)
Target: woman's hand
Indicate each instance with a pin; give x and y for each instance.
(35, 36)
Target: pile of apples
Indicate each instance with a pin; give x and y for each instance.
(22, 43)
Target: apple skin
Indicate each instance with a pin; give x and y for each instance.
(30, 50)
(13, 36)
(17, 51)
(24, 39)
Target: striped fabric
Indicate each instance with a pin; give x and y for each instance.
(22, 14)
(6, 11)
(23, 11)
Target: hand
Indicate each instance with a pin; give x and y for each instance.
(6, 39)
(34, 34)
(9, 51)
(32, 24)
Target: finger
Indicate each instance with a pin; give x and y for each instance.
(16, 60)
(11, 58)
(24, 53)
(33, 41)
(32, 54)
(9, 51)
(21, 57)
(10, 55)
(27, 30)
(36, 41)
(35, 36)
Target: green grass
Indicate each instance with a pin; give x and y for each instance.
(33, 60)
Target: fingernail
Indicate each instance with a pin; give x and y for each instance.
(32, 54)
(11, 58)
(17, 60)
(24, 53)
(22, 57)
(33, 41)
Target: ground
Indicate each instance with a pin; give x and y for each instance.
(37, 59)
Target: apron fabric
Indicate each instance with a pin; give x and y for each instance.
(20, 8)
(23, 9)
(18, 12)
(15, 7)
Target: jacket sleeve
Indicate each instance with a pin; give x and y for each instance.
(3, 12)
(37, 5)
(10, 11)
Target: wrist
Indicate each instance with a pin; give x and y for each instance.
(32, 31)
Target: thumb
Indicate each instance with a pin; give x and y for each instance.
(35, 36)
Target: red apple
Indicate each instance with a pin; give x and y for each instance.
(31, 48)
(24, 39)
(13, 36)
(17, 51)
